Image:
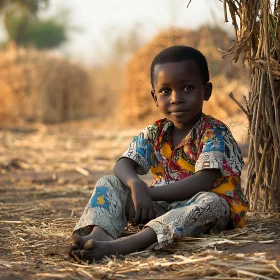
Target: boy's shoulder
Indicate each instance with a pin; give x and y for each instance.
(209, 122)
(160, 124)
(158, 127)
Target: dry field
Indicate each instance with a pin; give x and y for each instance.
(46, 177)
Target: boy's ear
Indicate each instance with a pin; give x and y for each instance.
(207, 91)
(154, 96)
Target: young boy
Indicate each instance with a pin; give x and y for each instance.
(196, 165)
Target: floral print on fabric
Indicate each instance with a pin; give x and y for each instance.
(106, 207)
(210, 144)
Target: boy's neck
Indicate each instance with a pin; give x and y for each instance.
(180, 132)
(186, 127)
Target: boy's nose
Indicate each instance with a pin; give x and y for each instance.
(176, 97)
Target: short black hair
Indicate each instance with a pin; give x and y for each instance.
(181, 53)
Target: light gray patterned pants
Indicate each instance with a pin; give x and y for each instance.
(106, 208)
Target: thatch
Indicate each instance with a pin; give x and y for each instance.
(137, 103)
(37, 86)
(257, 28)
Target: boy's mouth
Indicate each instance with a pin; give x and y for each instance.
(178, 111)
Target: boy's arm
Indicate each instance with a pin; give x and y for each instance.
(184, 189)
(143, 204)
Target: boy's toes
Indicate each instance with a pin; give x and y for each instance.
(76, 245)
(76, 255)
(87, 256)
(76, 238)
(72, 248)
(89, 245)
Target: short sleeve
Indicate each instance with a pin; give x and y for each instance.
(141, 150)
(219, 150)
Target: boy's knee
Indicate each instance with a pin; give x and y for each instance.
(212, 199)
(111, 181)
(110, 178)
(219, 204)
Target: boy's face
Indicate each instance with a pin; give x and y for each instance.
(179, 92)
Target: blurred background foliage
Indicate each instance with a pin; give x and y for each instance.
(41, 34)
(30, 7)
(25, 28)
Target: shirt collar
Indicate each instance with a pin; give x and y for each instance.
(169, 125)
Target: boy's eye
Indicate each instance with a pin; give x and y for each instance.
(188, 87)
(165, 91)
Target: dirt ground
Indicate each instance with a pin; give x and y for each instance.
(46, 177)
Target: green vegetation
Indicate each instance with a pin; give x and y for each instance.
(24, 27)
(29, 6)
(39, 33)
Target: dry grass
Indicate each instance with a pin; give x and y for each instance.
(37, 86)
(37, 249)
(46, 177)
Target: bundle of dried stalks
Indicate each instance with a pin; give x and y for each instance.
(257, 29)
(37, 86)
(136, 99)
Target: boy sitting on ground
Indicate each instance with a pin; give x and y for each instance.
(196, 165)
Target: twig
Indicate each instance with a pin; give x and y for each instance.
(238, 103)
(82, 170)
(225, 10)
(11, 222)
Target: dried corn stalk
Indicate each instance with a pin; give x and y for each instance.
(257, 30)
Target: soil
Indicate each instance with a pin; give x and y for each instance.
(46, 177)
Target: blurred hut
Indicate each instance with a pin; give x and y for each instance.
(136, 102)
(36, 86)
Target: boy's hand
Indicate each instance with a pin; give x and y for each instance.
(143, 204)
(130, 211)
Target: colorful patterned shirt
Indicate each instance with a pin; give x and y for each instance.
(209, 145)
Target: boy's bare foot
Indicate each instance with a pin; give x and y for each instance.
(96, 250)
(78, 241)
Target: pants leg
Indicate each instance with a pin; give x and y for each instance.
(106, 207)
(203, 212)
